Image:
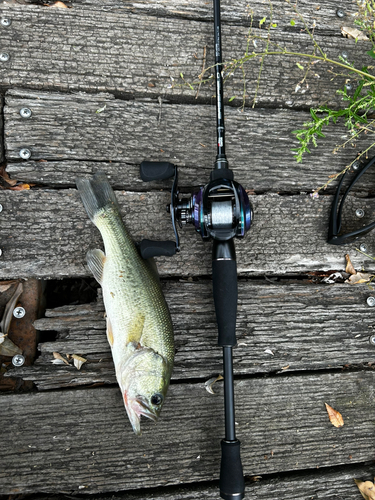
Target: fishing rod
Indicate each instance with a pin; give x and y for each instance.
(220, 211)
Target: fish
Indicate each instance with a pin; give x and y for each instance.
(139, 324)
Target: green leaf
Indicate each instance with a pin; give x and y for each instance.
(232, 98)
(299, 66)
(262, 21)
(274, 25)
(182, 75)
(292, 22)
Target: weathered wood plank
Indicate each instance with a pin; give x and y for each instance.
(100, 50)
(124, 134)
(301, 327)
(79, 441)
(46, 233)
(336, 484)
(232, 11)
(1, 129)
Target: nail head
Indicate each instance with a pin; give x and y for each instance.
(371, 301)
(25, 153)
(359, 213)
(372, 340)
(5, 21)
(25, 112)
(340, 13)
(18, 360)
(19, 312)
(363, 247)
(4, 57)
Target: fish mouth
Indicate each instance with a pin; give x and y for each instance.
(135, 408)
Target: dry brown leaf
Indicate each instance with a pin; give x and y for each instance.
(20, 187)
(366, 488)
(335, 417)
(78, 361)
(349, 266)
(60, 5)
(356, 279)
(353, 33)
(210, 382)
(58, 356)
(7, 347)
(5, 285)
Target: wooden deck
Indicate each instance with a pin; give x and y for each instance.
(97, 77)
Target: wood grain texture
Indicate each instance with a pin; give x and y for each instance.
(280, 328)
(118, 139)
(80, 441)
(46, 233)
(336, 484)
(104, 50)
(233, 11)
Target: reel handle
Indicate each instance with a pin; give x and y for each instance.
(232, 483)
(151, 248)
(225, 291)
(156, 170)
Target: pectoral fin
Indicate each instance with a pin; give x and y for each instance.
(135, 328)
(109, 332)
(95, 261)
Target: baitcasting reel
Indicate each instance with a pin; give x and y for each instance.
(220, 210)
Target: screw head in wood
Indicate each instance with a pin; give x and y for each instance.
(19, 312)
(4, 57)
(359, 213)
(18, 360)
(356, 165)
(5, 21)
(372, 340)
(1, 208)
(371, 301)
(25, 153)
(25, 112)
(344, 54)
(348, 86)
(340, 13)
(363, 247)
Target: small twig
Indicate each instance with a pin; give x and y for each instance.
(203, 69)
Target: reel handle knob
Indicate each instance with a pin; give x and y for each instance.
(156, 170)
(151, 248)
(232, 483)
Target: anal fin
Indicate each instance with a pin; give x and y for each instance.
(95, 261)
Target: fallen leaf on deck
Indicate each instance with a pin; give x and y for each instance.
(211, 382)
(78, 361)
(366, 488)
(9, 308)
(20, 187)
(7, 347)
(60, 5)
(358, 278)
(349, 266)
(60, 358)
(5, 285)
(353, 33)
(335, 417)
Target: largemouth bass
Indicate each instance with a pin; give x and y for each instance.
(139, 326)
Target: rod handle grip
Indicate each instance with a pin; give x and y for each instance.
(232, 483)
(156, 170)
(225, 291)
(151, 248)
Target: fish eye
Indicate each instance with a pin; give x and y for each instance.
(157, 399)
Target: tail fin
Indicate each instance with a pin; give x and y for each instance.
(96, 194)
